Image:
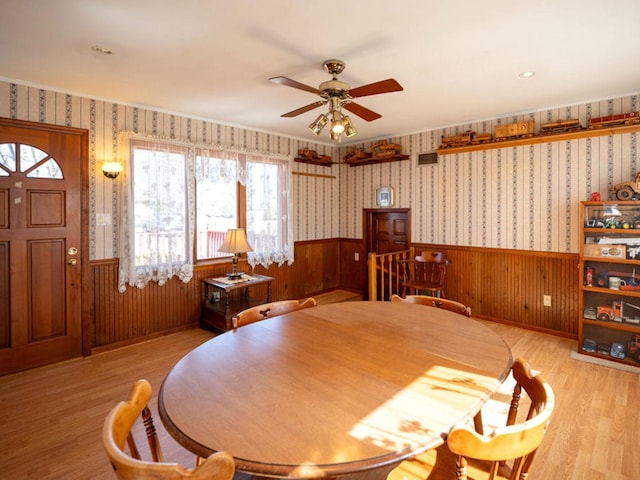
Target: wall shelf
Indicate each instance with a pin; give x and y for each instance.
(536, 139)
(372, 160)
(314, 161)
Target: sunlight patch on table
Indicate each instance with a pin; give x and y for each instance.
(407, 418)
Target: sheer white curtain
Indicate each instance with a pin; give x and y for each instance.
(157, 211)
(269, 210)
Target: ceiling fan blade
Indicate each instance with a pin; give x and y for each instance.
(306, 108)
(361, 111)
(292, 83)
(383, 86)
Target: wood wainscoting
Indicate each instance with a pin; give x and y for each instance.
(118, 319)
(508, 286)
(505, 286)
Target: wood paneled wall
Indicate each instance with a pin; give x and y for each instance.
(501, 285)
(509, 285)
(137, 314)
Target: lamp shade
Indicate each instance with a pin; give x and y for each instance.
(235, 241)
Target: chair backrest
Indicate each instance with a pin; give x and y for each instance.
(432, 256)
(267, 310)
(116, 431)
(443, 303)
(517, 442)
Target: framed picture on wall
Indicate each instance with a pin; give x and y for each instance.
(384, 197)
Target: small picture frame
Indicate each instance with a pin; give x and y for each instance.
(384, 197)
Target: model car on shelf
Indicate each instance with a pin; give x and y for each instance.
(617, 350)
(627, 190)
(615, 312)
(589, 345)
(633, 348)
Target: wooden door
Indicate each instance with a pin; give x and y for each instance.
(40, 243)
(387, 230)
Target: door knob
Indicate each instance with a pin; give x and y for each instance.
(72, 261)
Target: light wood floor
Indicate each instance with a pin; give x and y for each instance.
(51, 417)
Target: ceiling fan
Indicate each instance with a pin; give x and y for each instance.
(338, 95)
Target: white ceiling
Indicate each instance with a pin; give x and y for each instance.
(210, 59)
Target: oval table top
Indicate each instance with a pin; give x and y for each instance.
(333, 390)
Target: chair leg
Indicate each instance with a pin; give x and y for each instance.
(461, 468)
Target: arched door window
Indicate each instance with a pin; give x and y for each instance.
(28, 160)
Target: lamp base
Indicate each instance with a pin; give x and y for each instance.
(234, 275)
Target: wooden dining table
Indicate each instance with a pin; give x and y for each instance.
(345, 390)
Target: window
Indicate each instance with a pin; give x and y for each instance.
(179, 199)
(217, 203)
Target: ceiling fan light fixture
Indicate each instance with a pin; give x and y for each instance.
(337, 123)
(318, 124)
(349, 129)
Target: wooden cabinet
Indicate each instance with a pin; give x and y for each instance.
(223, 298)
(609, 310)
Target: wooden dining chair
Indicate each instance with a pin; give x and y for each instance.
(505, 453)
(425, 273)
(117, 431)
(429, 301)
(267, 310)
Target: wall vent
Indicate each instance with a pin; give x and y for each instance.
(429, 158)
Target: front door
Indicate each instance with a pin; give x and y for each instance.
(40, 243)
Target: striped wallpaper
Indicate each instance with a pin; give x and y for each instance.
(522, 197)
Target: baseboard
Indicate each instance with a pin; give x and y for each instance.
(604, 362)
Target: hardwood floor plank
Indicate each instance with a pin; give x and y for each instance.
(51, 417)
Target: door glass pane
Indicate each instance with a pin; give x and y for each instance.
(8, 157)
(49, 169)
(29, 156)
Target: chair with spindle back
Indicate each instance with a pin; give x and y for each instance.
(469, 455)
(267, 310)
(116, 432)
(425, 273)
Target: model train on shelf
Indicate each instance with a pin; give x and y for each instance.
(515, 130)
(561, 126)
(526, 129)
(631, 118)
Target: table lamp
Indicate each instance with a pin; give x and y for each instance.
(235, 241)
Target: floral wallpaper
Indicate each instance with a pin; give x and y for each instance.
(524, 197)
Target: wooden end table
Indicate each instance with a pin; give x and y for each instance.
(223, 298)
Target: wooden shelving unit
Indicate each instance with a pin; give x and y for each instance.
(609, 315)
(536, 139)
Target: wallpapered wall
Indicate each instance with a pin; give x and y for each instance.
(523, 197)
(315, 217)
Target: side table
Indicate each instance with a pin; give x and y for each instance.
(223, 298)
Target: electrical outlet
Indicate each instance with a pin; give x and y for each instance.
(356, 257)
(547, 300)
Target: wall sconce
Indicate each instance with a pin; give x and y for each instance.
(111, 169)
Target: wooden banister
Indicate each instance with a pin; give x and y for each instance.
(383, 276)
